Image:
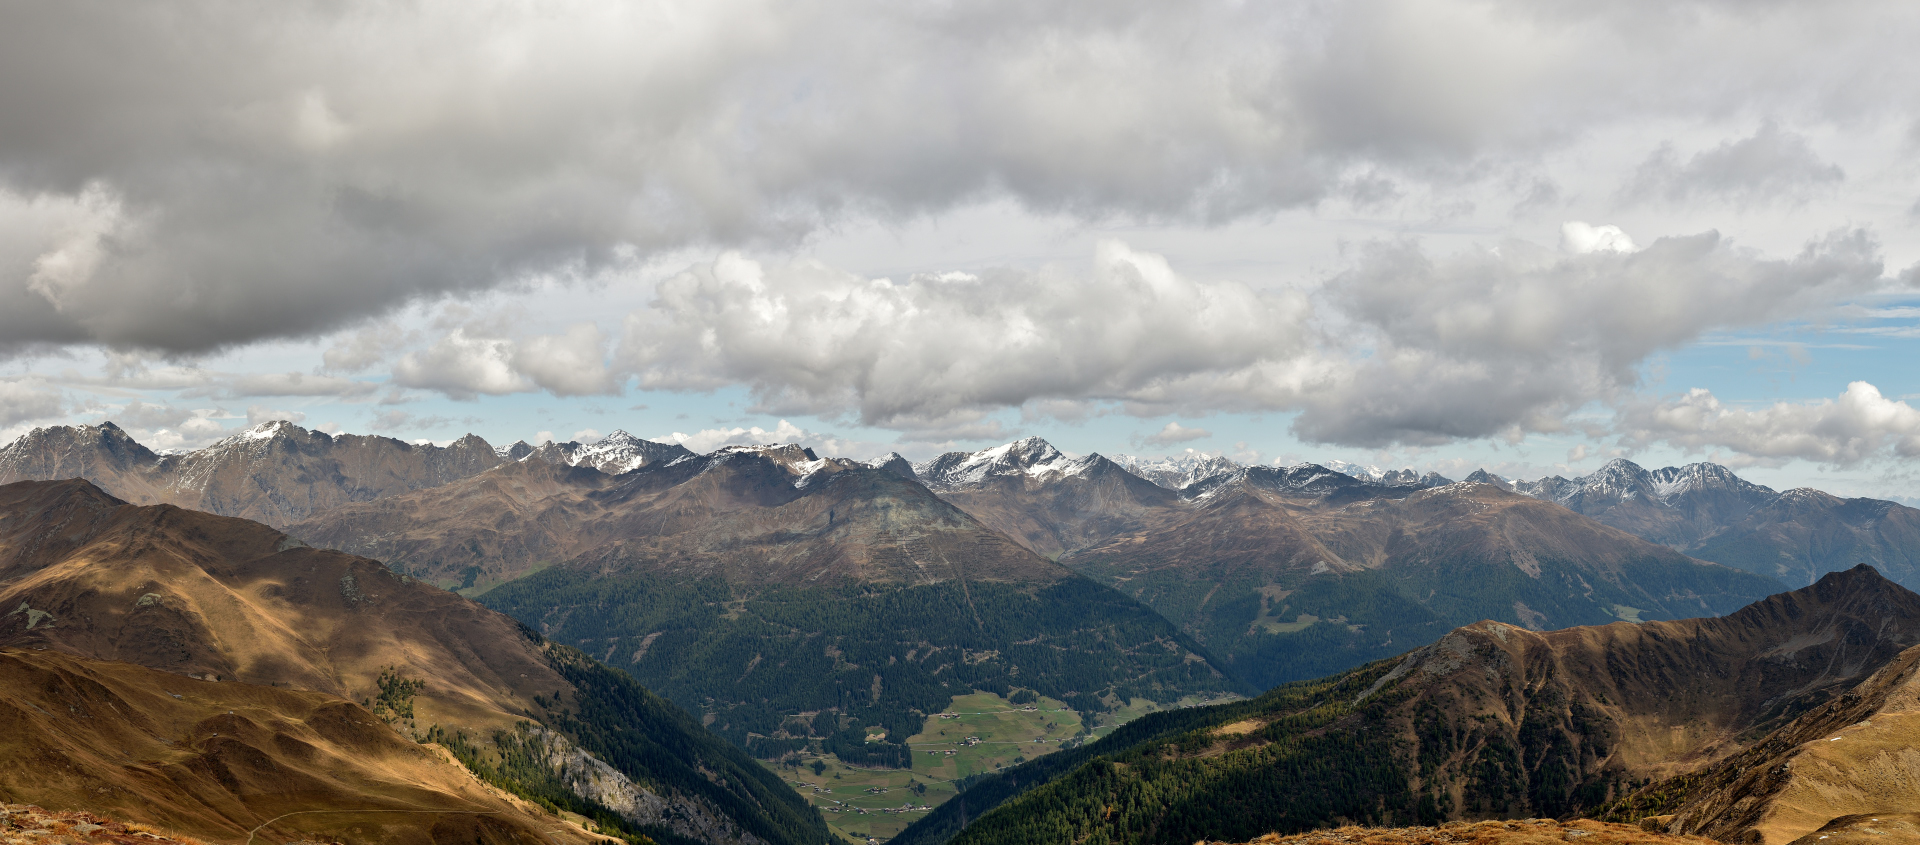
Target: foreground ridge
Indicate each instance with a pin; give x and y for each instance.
(1515, 832)
(30, 824)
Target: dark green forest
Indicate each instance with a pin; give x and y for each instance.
(1320, 753)
(1374, 614)
(782, 668)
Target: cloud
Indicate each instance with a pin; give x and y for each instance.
(573, 363)
(240, 171)
(468, 362)
(1174, 433)
(462, 366)
(294, 384)
(1400, 348)
(936, 351)
(24, 400)
(398, 421)
(707, 440)
(166, 428)
(1502, 343)
(257, 414)
(364, 348)
(1860, 425)
(1581, 238)
(1774, 164)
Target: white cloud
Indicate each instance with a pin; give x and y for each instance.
(1860, 425)
(573, 363)
(24, 400)
(358, 350)
(294, 384)
(1174, 433)
(165, 428)
(707, 440)
(1501, 344)
(1581, 238)
(257, 414)
(461, 366)
(933, 352)
(1403, 347)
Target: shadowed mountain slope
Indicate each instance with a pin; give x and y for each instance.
(217, 600)
(787, 598)
(1491, 720)
(1840, 767)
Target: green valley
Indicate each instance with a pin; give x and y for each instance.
(784, 670)
(977, 734)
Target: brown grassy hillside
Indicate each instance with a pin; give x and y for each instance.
(202, 595)
(219, 759)
(1517, 832)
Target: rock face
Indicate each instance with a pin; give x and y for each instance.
(1708, 512)
(678, 813)
(1495, 720)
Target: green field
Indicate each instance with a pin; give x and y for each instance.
(977, 734)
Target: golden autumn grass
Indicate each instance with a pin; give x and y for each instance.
(1521, 832)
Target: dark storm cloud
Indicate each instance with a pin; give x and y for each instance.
(187, 175)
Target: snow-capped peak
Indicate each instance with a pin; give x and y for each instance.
(1176, 472)
(613, 454)
(266, 430)
(1029, 457)
(1621, 480)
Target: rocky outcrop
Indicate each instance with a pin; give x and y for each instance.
(593, 779)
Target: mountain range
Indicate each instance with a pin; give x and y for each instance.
(798, 606)
(1707, 512)
(1295, 572)
(788, 598)
(1761, 726)
(279, 473)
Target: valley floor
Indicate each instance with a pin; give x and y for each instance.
(977, 734)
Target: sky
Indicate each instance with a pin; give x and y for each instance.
(1525, 236)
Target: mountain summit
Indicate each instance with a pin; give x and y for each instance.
(279, 473)
(1708, 512)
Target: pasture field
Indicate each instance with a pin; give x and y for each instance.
(977, 734)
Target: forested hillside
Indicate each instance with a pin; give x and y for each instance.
(778, 666)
